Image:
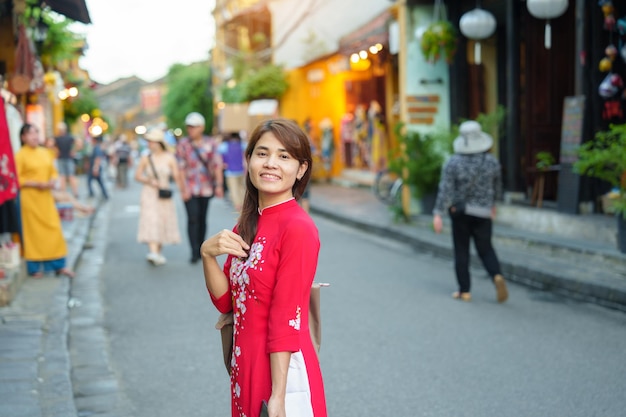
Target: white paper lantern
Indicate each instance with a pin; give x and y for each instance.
(477, 24)
(547, 9)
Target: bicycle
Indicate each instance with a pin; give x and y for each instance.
(388, 187)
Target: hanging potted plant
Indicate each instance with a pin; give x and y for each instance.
(605, 158)
(439, 40)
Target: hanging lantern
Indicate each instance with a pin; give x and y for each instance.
(477, 24)
(547, 9)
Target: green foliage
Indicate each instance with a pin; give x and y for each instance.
(604, 158)
(422, 159)
(189, 89)
(236, 94)
(85, 102)
(439, 37)
(267, 82)
(544, 160)
(61, 43)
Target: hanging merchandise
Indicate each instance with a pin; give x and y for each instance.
(19, 81)
(606, 63)
(477, 24)
(8, 174)
(547, 9)
(610, 86)
(609, 14)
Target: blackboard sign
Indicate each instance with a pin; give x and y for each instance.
(572, 128)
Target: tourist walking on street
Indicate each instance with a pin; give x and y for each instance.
(202, 178)
(65, 144)
(44, 246)
(122, 159)
(232, 150)
(96, 168)
(266, 279)
(158, 223)
(470, 183)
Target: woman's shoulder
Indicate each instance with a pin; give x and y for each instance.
(300, 223)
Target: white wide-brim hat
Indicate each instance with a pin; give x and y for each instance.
(472, 139)
(155, 135)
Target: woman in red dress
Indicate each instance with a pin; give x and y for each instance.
(266, 280)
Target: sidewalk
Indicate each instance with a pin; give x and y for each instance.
(573, 255)
(34, 358)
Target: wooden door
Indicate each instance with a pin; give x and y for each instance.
(546, 78)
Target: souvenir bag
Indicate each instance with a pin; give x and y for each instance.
(163, 192)
(225, 324)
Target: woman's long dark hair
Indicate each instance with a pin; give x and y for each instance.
(295, 141)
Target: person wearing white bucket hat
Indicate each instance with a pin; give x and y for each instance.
(471, 181)
(202, 177)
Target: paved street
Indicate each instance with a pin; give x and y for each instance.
(142, 343)
(394, 342)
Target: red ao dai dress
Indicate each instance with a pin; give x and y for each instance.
(269, 296)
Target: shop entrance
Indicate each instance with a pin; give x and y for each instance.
(365, 138)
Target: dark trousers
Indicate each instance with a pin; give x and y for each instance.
(197, 209)
(99, 180)
(464, 229)
(122, 174)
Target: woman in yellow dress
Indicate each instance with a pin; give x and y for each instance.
(42, 236)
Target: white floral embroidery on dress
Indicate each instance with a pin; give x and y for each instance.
(295, 323)
(240, 281)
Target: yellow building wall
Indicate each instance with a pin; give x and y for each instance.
(317, 91)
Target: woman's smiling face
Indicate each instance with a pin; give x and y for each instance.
(273, 170)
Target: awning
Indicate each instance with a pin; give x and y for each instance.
(373, 32)
(73, 9)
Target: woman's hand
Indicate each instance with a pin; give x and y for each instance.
(276, 407)
(224, 242)
(437, 223)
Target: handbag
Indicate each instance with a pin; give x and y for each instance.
(164, 193)
(457, 209)
(225, 324)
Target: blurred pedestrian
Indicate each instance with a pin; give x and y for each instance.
(202, 178)
(97, 163)
(44, 246)
(122, 158)
(470, 183)
(158, 223)
(66, 152)
(266, 279)
(232, 149)
(305, 199)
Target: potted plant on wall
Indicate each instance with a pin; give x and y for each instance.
(439, 39)
(419, 162)
(604, 158)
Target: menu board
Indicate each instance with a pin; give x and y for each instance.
(572, 128)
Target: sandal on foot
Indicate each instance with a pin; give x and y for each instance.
(67, 272)
(463, 296)
(37, 275)
(501, 292)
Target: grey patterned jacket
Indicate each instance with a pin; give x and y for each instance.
(475, 179)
